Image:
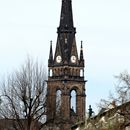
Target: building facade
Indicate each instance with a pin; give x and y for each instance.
(66, 74)
(111, 118)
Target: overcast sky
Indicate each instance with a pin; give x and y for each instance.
(28, 26)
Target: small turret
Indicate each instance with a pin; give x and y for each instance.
(50, 60)
(81, 55)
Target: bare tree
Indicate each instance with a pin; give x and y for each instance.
(122, 91)
(23, 98)
(121, 97)
(123, 88)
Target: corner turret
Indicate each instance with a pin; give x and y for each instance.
(50, 60)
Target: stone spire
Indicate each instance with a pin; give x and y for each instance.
(66, 18)
(66, 74)
(50, 61)
(81, 51)
(81, 55)
(66, 43)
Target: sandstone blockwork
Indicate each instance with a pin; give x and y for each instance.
(66, 84)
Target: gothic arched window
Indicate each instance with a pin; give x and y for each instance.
(58, 101)
(73, 100)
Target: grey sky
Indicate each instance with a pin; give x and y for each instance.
(27, 26)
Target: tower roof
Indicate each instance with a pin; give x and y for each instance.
(50, 61)
(81, 51)
(66, 43)
(66, 18)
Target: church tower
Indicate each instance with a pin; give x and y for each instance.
(66, 84)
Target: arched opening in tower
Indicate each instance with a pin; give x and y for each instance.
(58, 101)
(73, 101)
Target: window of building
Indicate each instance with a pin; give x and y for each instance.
(50, 72)
(58, 101)
(73, 100)
(81, 72)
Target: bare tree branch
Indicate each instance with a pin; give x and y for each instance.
(24, 95)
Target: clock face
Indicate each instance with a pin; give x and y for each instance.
(58, 59)
(73, 59)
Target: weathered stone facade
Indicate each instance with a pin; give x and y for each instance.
(66, 74)
(115, 118)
